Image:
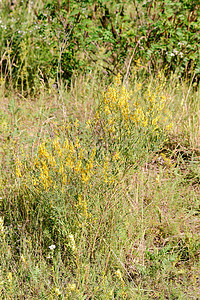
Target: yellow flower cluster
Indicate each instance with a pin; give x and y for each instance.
(82, 207)
(18, 167)
(61, 163)
(116, 100)
(120, 113)
(109, 168)
(156, 112)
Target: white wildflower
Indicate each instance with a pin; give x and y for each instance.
(72, 243)
(57, 291)
(1, 225)
(52, 247)
(119, 274)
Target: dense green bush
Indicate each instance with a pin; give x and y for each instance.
(171, 35)
(53, 39)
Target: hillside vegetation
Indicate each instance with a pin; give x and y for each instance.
(99, 149)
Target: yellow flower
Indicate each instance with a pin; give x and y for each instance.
(118, 80)
(18, 172)
(116, 156)
(76, 124)
(168, 127)
(107, 110)
(85, 177)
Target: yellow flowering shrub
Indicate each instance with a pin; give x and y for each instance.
(82, 161)
(125, 125)
(61, 163)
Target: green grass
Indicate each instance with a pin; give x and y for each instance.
(136, 237)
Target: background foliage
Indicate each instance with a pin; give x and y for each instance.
(53, 39)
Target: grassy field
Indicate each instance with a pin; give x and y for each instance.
(99, 149)
(100, 190)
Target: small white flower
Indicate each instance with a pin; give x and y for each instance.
(72, 243)
(119, 274)
(57, 291)
(181, 54)
(172, 54)
(1, 225)
(52, 247)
